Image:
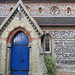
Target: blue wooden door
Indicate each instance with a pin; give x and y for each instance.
(20, 55)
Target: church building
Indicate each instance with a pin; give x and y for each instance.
(32, 29)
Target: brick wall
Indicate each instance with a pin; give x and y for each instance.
(0, 57)
(63, 46)
(65, 73)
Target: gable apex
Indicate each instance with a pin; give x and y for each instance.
(20, 6)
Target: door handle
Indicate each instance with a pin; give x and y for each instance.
(22, 60)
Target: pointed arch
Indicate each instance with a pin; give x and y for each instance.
(40, 9)
(47, 43)
(15, 31)
(68, 10)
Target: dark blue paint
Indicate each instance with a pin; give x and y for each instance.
(19, 52)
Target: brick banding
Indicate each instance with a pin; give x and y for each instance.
(16, 30)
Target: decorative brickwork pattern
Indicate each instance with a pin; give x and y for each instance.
(65, 73)
(65, 70)
(64, 34)
(5, 9)
(64, 46)
(67, 62)
(65, 49)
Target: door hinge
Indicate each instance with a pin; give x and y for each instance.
(25, 70)
(14, 70)
(24, 44)
(15, 44)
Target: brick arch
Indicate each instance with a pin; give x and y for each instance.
(49, 34)
(68, 7)
(15, 31)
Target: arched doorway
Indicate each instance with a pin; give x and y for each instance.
(19, 64)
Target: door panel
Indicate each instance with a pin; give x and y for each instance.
(20, 55)
(19, 73)
(25, 57)
(24, 72)
(15, 72)
(15, 56)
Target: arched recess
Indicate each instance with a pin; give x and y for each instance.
(47, 43)
(9, 45)
(68, 10)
